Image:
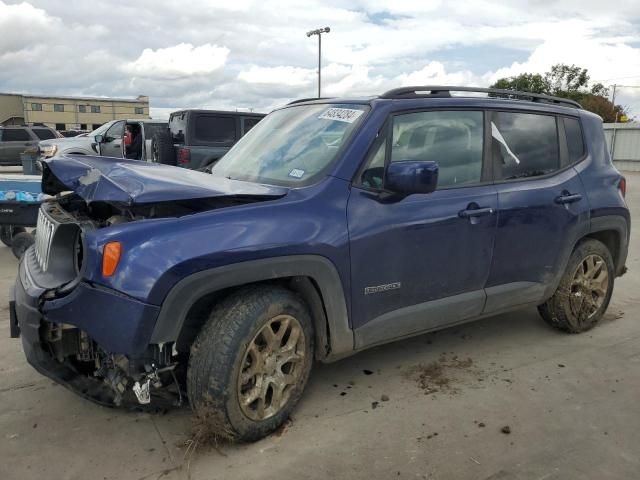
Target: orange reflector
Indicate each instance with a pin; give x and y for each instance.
(110, 258)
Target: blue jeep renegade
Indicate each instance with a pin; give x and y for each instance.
(332, 226)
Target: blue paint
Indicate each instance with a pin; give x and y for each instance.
(427, 243)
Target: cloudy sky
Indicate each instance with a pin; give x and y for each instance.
(244, 54)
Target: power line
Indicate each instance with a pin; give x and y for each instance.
(616, 78)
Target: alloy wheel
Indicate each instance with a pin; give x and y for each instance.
(589, 287)
(272, 366)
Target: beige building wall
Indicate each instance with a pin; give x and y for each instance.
(11, 110)
(65, 113)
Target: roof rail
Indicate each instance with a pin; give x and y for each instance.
(300, 100)
(445, 92)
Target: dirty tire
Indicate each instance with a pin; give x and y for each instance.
(221, 353)
(21, 242)
(573, 307)
(162, 150)
(7, 232)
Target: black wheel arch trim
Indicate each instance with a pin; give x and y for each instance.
(335, 331)
(619, 224)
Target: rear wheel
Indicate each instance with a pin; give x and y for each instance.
(162, 150)
(250, 363)
(584, 291)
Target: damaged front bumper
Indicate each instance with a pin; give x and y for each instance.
(93, 341)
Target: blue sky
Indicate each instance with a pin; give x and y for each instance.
(249, 54)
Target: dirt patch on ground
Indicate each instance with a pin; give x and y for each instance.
(443, 375)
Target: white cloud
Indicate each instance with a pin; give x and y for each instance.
(255, 54)
(281, 75)
(178, 61)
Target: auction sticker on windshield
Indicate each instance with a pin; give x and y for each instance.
(348, 115)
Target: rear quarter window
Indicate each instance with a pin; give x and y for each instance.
(575, 144)
(178, 126)
(43, 133)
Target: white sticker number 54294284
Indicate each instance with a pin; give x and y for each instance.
(348, 115)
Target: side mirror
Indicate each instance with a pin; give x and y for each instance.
(99, 138)
(411, 177)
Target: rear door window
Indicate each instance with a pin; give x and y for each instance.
(575, 144)
(43, 133)
(15, 135)
(524, 145)
(214, 129)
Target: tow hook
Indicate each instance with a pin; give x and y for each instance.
(142, 387)
(143, 394)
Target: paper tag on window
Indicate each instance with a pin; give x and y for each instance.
(348, 115)
(296, 173)
(495, 133)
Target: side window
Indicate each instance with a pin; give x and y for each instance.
(248, 124)
(43, 133)
(15, 135)
(454, 140)
(575, 145)
(116, 130)
(214, 129)
(524, 145)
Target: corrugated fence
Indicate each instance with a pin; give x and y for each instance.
(626, 145)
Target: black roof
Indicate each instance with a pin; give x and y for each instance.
(223, 112)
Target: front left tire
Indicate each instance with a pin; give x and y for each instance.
(250, 362)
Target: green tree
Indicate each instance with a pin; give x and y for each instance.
(567, 81)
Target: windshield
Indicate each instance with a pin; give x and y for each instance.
(292, 146)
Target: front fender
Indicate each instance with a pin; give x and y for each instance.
(186, 292)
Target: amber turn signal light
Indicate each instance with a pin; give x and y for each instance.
(110, 258)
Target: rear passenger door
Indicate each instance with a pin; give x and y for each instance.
(542, 205)
(14, 141)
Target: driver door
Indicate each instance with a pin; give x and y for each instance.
(112, 143)
(422, 261)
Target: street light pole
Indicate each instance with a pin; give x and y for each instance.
(319, 33)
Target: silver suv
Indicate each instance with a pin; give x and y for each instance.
(14, 140)
(107, 140)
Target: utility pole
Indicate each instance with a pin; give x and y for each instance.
(612, 149)
(319, 33)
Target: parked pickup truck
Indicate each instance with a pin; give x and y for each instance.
(197, 138)
(107, 140)
(333, 226)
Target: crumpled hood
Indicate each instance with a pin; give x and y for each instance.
(130, 182)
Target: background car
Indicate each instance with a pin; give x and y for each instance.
(198, 138)
(14, 140)
(105, 141)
